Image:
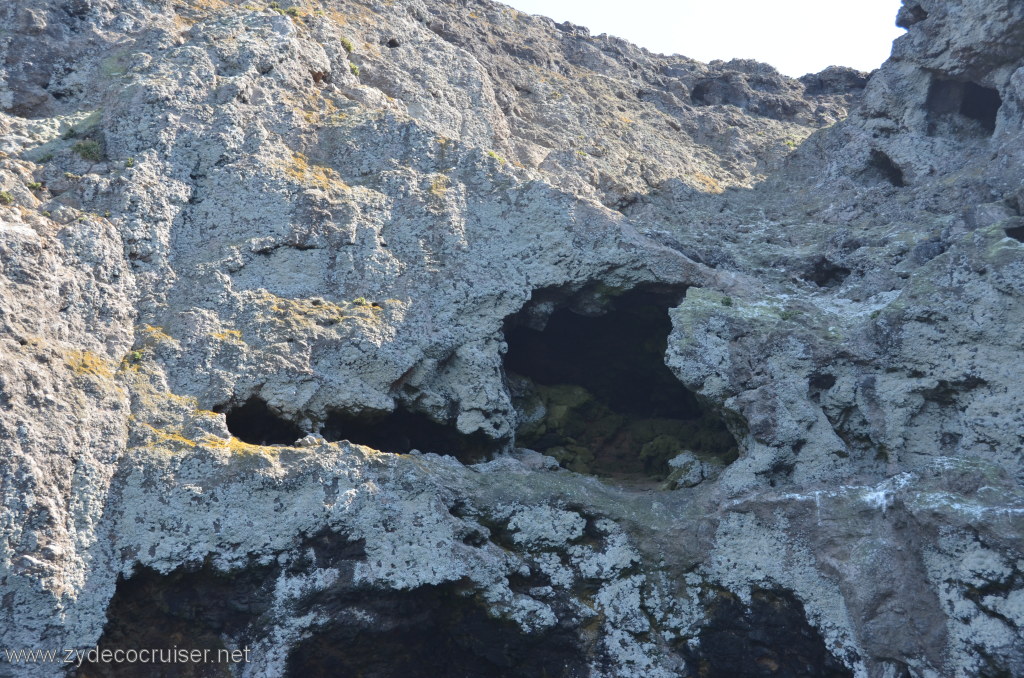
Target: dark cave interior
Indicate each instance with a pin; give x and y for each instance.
(429, 632)
(961, 108)
(594, 370)
(882, 168)
(588, 376)
(825, 273)
(255, 423)
(402, 431)
(768, 637)
(187, 609)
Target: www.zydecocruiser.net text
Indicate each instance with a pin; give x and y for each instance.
(96, 655)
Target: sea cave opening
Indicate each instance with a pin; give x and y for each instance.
(403, 430)
(429, 632)
(769, 636)
(200, 610)
(588, 377)
(962, 108)
(881, 168)
(1015, 232)
(254, 422)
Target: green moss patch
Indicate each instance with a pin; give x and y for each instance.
(587, 436)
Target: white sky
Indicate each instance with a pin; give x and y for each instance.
(795, 36)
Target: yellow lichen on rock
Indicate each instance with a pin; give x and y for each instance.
(156, 335)
(439, 185)
(240, 447)
(706, 184)
(164, 437)
(319, 111)
(315, 315)
(229, 336)
(171, 440)
(151, 401)
(307, 174)
(88, 364)
(190, 12)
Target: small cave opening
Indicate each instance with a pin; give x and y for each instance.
(825, 273)
(1015, 232)
(962, 108)
(911, 13)
(588, 378)
(402, 431)
(818, 384)
(254, 422)
(200, 611)
(981, 104)
(319, 77)
(187, 610)
(881, 168)
(700, 94)
(430, 632)
(770, 637)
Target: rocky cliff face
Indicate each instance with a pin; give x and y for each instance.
(435, 339)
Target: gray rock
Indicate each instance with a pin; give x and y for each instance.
(260, 270)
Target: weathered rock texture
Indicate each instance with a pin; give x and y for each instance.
(261, 267)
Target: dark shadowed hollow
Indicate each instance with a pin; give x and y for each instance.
(430, 632)
(192, 610)
(255, 423)
(962, 108)
(594, 391)
(768, 637)
(402, 431)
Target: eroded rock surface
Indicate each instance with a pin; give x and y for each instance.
(267, 273)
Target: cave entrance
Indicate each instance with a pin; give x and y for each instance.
(255, 423)
(402, 431)
(881, 168)
(768, 637)
(961, 108)
(431, 632)
(190, 610)
(588, 377)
